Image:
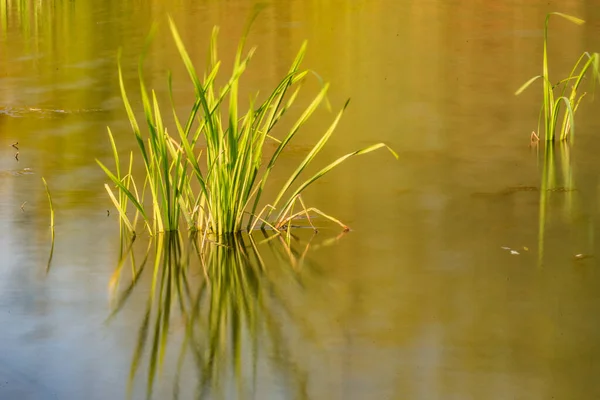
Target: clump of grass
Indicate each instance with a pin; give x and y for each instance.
(219, 189)
(553, 101)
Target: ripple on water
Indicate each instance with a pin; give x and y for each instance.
(20, 112)
(17, 172)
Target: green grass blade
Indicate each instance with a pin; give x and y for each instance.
(311, 155)
(526, 84)
(569, 110)
(131, 115)
(575, 20)
(301, 121)
(187, 61)
(50, 202)
(332, 166)
(51, 225)
(122, 187)
(122, 212)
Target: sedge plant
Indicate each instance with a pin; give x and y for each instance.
(218, 189)
(558, 95)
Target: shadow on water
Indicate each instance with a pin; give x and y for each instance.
(221, 305)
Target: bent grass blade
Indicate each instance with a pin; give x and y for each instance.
(51, 225)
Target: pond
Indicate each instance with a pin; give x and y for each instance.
(470, 270)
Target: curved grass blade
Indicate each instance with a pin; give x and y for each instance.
(332, 166)
(122, 213)
(527, 84)
(571, 124)
(51, 225)
(124, 189)
(571, 18)
(301, 121)
(50, 202)
(130, 113)
(311, 155)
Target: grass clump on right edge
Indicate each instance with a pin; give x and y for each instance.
(552, 103)
(218, 189)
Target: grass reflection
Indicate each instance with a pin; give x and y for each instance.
(28, 16)
(557, 178)
(220, 304)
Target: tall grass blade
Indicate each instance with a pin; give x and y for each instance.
(124, 190)
(51, 225)
(130, 114)
(527, 84)
(569, 112)
(49, 202)
(122, 212)
(333, 165)
(310, 156)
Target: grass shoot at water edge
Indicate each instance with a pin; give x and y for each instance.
(218, 190)
(551, 109)
(51, 223)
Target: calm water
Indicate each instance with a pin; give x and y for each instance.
(422, 300)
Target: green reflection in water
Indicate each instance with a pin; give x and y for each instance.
(228, 298)
(32, 19)
(557, 179)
